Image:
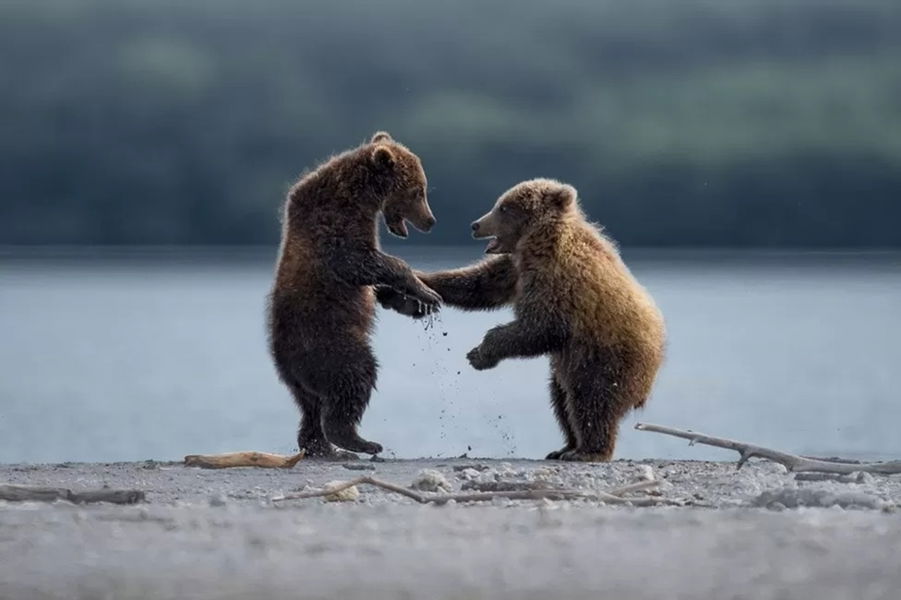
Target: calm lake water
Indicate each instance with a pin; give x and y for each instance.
(158, 355)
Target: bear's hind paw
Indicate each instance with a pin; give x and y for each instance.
(556, 454)
(584, 456)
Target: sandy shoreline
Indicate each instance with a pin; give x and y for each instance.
(757, 533)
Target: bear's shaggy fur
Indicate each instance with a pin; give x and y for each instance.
(574, 299)
(321, 306)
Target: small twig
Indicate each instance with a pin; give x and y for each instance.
(792, 462)
(634, 487)
(612, 497)
(23, 493)
(243, 459)
(432, 498)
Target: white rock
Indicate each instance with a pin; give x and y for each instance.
(504, 469)
(346, 495)
(664, 486)
(469, 474)
(430, 480)
(542, 474)
(646, 472)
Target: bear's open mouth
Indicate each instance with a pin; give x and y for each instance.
(493, 247)
(398, 228)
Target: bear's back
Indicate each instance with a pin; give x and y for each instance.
(602, 301)
(320, 214)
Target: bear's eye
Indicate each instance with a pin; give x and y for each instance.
(503, 209)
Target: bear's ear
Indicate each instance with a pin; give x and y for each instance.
(381, 136)
(382, 157)
(563, 196)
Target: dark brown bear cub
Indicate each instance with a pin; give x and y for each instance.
(574, 299)
(322, 303)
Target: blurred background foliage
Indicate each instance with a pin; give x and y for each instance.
(724, 123)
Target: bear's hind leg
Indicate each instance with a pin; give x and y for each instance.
(342, 417)
(559, 402)
(311, 436)
(597, 448)
(346, 391)
(595, 411)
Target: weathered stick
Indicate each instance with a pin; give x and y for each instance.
(612, 497)
(634, 487)
(23, 493)
(243, 459)
(792, 462)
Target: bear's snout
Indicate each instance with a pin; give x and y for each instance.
(483, 227)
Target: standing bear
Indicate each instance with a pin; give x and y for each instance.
(574, 299)
(322, 303)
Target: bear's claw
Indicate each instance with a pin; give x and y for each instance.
(399, 302)
(350, 440)
(429, 300)
(556, 454)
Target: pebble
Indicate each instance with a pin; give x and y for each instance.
(346, 495)
(430, 480)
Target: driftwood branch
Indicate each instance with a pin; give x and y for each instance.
(792, 462)
(616, 496)
(634, 487)
(23, 493)
(243, 459)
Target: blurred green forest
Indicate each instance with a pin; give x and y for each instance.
(724, 123)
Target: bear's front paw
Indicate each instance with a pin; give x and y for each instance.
(480, 360)
(431, 301)
(399, 302)
(387, 296)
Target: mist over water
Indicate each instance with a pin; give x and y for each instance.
(161, 355)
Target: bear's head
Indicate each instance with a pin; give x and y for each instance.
(522, 208)
(404, 184)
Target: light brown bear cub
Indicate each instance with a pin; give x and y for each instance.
(574, 299)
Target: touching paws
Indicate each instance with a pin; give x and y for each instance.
(399, 302)
(431, 301)
(480, 360)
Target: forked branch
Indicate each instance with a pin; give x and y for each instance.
(792, 462)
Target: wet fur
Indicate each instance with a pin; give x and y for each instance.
(321, 306)
(574, 300)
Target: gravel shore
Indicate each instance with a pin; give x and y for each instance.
(756, 533)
